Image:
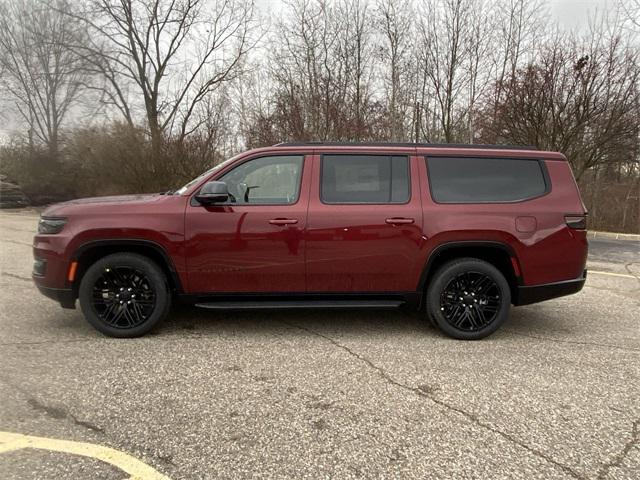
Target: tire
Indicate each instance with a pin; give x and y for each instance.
(468, 299)
(124, 295)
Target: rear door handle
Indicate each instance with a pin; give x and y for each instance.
(283, 221)
(399, 221)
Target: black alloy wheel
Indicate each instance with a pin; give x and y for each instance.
(468, 299)
(124, 295)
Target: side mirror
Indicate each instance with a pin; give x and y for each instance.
(212, 193)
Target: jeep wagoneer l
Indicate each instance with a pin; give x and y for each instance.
(459, 233)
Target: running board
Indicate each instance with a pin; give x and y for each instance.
(288, 304)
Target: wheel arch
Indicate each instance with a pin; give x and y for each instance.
(500, 255)
(88, 253)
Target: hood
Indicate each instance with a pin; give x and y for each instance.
(113, 202)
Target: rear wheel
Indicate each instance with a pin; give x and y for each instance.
(124, 295)
(468, 299)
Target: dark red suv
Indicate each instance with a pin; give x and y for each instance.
(460, 232)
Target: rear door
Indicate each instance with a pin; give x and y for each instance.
(364, 225)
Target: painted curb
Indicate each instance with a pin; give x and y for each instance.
(614, 235)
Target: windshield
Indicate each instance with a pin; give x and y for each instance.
(183, 189)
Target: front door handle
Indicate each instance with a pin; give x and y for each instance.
(399, 221)
(283, 221)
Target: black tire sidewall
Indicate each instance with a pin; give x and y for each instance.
(153, 273)
(442, 278)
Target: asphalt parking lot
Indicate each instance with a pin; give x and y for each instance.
(554, 394)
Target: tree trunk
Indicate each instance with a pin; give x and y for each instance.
(156, 141)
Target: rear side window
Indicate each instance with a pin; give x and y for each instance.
(476, 180)
(364, 179)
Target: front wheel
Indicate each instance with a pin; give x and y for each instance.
(124, 295)
(468, 299)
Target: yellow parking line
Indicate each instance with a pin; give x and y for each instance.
(136, 469)
(611, 274)
(12, 445)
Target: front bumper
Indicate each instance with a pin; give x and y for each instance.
(527, 295)
(65, 296)
(50, 267)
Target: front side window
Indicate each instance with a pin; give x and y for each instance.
(365, 179)
(484, 180)
(266, 180)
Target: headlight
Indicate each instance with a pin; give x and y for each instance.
(51, 225)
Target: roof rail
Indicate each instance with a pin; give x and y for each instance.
(406, 144)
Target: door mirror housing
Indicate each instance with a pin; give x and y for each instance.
(212, 193)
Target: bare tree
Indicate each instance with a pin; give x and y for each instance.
(174, 53)
(319, 86)
(43, 78)
(631, 10)
(302, 71)
(355, 53)
(478, 46)
(444, 26)
(580, 99)
(396, 26)
(519, 25)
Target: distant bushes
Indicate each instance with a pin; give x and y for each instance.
(613, 203)
(42, 179)
(101, 161)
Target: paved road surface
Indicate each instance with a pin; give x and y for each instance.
(554, 394)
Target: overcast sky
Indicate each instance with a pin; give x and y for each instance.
(574, 13)
(569, 13)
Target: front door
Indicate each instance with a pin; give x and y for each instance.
(255, 242)
(364, 227)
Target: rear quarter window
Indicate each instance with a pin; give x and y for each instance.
(485, 180)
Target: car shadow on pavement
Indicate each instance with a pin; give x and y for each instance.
(213, 322)
(201, 322)
(192, 321)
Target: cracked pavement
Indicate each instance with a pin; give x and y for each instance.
(340, 394)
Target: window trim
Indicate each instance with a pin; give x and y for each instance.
(195, 203)
(541, 163)
(360, 154)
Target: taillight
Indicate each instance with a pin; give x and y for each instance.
(577, 222)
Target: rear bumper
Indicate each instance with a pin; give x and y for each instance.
(539, 293)
(65, 296)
